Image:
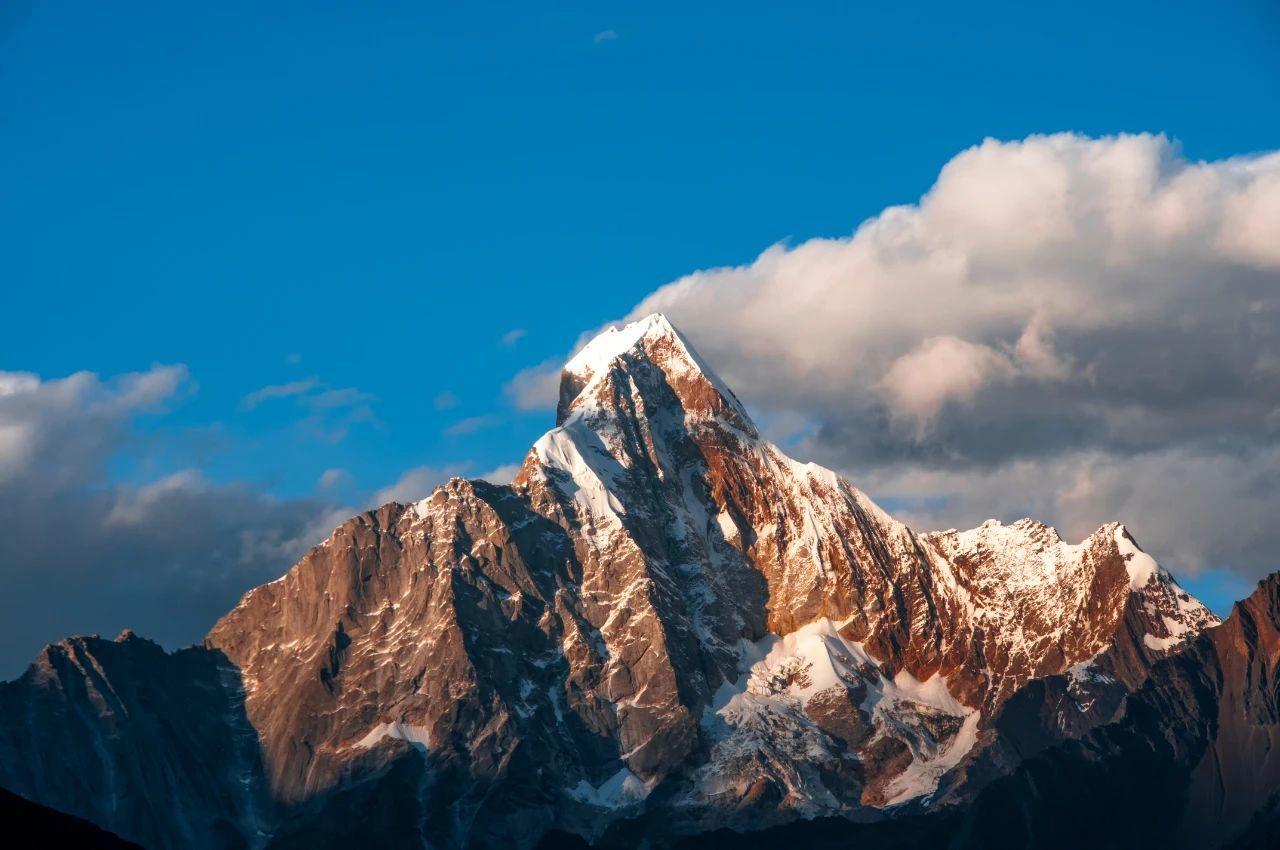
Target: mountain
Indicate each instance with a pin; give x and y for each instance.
(662, 628)
(1193, 762)
(152, 746)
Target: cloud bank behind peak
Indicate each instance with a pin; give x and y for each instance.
(1081, 328)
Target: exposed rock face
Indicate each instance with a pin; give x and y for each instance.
(663, 621)
(1235, 784)
(1190, 762)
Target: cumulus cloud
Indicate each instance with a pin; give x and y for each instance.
(81, 552)
(1073, 279)
(941, 370)
(1061, 326)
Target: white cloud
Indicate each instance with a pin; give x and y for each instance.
(472, 424)
(1057, 278)
(276, 391)
(1050, 304)
(940, 370)
(537, 387)
(136, 506)
(332, 478)
(501, 474)
(1251, 220)
(12, 383)
(147, 390)
(1199, 508)
(52, 432)
(82, 553)
(605, 35)
(332, 411)
(416, 484)
(513, 336)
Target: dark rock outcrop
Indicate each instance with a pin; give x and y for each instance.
(152, 746)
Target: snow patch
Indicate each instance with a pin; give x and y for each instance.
(728, 528)
(922, 776)
(593, 360)
(1140, 566)
(1180, 631)
(816, 657)
(613, 341)
(593, 484)
(622, 789)
(1085, 673)
(416, 735)
(782, 673)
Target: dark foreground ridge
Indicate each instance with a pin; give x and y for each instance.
(28, 824)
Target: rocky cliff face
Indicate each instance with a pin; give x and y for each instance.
(1189, 762)
(664, 624)
(1235, 783)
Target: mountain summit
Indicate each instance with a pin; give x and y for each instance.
(662, 627)
(655, 341)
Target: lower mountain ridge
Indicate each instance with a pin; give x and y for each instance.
(666, 632)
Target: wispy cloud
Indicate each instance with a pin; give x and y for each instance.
(472, 424)
(277, 391)
(537, 387)
(500, 474)
(446, 401)
(344, 397)
(513, 336)
(333, 478)
(605, 35)
(332, 411)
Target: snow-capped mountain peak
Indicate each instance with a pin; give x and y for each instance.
(651, 341)
(661, 599)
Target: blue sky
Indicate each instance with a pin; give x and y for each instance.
(367, 201)
(387, 194)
